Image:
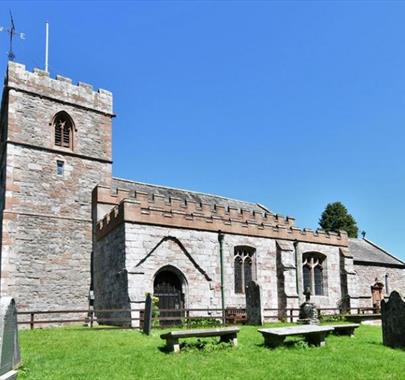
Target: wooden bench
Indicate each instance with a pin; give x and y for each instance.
(225, 334)
(346, 329)
(234, 315)
(313, 334)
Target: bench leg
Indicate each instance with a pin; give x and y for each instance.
(273, 341)
(316, 339)
(173, 344)
(229, 338)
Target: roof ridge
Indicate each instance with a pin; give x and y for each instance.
(189, 191)
(382, 249)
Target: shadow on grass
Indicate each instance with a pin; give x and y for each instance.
(199, 346)
(101, 328)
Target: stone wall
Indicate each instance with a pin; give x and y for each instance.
(195, 254)
(110, 276)
(332, 285)
(48, 264)
(366, 275)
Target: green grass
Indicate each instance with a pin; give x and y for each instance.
(101, 353)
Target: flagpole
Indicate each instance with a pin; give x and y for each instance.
(46, 45)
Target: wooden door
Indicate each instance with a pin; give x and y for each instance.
(377, 296)
(168, 289)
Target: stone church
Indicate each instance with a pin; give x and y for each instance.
(70, 229)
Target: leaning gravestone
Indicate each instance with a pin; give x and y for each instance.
(9, 348)
(147, 317)
(393, 321)
(254, 310)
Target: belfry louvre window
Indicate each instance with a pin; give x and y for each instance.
(313, 272)
(243, 267)
(63, 130)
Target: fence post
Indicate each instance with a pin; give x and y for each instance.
(91, 318)
(291, 316)
(32, 321)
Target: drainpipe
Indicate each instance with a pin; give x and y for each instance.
(221, 263)
(297, 271)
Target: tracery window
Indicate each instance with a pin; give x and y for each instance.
(313, 272)
(243, 267)
(63, 130)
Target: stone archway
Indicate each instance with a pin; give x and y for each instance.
(169, 287)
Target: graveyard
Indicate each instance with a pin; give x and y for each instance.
(112, 353)
(368, 351)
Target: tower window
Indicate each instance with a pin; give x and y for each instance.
(63, 130)
(60, 167)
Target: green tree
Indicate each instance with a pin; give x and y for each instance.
(336, 217)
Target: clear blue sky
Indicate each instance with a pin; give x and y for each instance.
(289, 104)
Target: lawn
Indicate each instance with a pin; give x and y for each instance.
(109, 353)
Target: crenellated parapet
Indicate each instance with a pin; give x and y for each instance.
(143, 208)
(104, 195)
(60, 89)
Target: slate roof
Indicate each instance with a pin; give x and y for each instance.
(186, 194)
(365, 251)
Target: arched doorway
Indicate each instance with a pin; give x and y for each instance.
(168, 287)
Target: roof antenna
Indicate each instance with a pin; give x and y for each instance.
(12, 32)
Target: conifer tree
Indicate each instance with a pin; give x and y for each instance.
(335, 217)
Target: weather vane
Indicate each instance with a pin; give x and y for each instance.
(12, 32)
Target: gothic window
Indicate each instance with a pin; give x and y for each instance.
(63, 130)
(313, 273)
(243, 267)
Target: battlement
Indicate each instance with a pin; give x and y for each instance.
(105, 195)
(61, 88)
(144, 208)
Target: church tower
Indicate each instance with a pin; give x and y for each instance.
(55, 148)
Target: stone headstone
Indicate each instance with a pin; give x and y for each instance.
(147, 317)
(9, 347)
(393, 321)
(254, 310)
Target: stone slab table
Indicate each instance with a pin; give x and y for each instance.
(313, 334)
(226, 335)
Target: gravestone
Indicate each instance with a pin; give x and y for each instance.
(254, 310)
(147, 317)
(308, 313)
(393, 321)
(9, 348)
